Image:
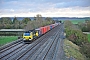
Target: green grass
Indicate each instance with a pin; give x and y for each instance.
(7, 39)
(89, 37)
(72, 50)
(75, 21)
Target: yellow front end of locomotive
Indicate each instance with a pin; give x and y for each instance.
(27, 36)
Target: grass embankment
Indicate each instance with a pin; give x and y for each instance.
(7, 39)
(72, 50)
(89, 37)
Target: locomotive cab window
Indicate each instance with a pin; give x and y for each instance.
(26, 34)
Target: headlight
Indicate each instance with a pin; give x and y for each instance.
(29, 39)
(24, 39)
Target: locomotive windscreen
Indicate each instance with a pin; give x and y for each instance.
(26, 34)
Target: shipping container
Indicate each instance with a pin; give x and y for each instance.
(45, 29)
(42, 30)
(50, 27)
(53, 25)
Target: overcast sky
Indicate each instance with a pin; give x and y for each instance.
(47, 8)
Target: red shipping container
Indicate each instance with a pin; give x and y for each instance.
(48, 27)
(42, 30)
(52, 25)
(45, 29)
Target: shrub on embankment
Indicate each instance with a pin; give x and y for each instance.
(74, 34)
(72, 50)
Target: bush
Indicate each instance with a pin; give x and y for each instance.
(76, 36)
(85, 49)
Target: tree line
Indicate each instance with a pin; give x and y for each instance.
(7, 23)
(26, 23)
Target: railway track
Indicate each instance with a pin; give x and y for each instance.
(10, 46)
(44, 48)
(46, 53)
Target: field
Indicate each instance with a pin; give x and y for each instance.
(89, 37)
(7, 39)
(75, 21)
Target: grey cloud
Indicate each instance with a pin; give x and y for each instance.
(72, 4)
(26, 4)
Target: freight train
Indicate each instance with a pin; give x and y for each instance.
(30, 35)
